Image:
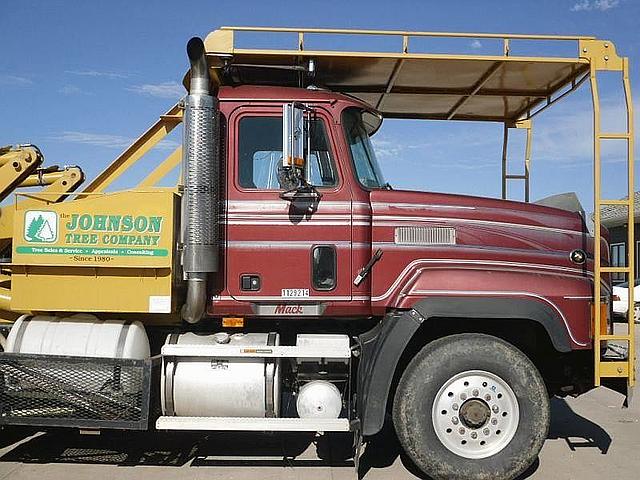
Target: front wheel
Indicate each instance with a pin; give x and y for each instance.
(469, 407)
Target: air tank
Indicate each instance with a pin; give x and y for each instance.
(319, 399)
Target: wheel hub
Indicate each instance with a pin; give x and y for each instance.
(475, 414)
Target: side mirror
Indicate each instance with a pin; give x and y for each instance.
(295, 137)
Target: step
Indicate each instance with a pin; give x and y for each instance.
(244, 351)
(609, 201)
(614, 136)
(516, 177)
(614, 269)
(254, 424)
(616, 369)
(616, 337)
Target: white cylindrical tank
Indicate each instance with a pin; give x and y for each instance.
(319, 399)
(222, 387)
(81, 335)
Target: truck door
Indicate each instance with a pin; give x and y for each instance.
(285, 258)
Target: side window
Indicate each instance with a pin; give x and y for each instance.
(260, 154)
(323, 267)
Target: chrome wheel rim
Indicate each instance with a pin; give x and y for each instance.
(475, 414)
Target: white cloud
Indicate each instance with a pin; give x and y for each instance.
(96, 73)
(14, 80)
(386, 148)
(167, 145)
(107, 140)
(589, 5)
(580, 6)
(476, 44)
(565, 137)
(94, 139)
(73, 90)
(427, 142)
(160, 90)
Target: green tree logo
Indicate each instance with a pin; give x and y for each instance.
(40, 227)
(34, 228)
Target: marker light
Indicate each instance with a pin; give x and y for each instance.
(578, 256)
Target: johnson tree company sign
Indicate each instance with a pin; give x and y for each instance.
(48, 232)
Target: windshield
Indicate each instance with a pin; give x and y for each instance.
(364, 158)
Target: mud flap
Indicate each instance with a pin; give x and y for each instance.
(358, 444)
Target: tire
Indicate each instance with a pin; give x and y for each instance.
(504, 396)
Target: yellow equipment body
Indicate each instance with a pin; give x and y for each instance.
(109, 252)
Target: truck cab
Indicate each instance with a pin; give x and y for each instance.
(430, 245)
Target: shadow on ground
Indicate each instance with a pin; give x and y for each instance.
(177, 449)
(578, 432)
(250, 449)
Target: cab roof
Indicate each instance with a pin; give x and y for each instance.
(408, 84)
(286, 94)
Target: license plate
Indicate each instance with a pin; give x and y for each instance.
(295, 292)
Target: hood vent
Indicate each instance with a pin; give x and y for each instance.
(425, 236)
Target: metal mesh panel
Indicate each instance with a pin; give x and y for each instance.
(74, 391)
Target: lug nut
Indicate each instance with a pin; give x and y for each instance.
(495, 409)
(461, 431)
(474, 435)
(475, 392)
(487, 397)
(486, 431)
(454, 420)
(494, 421)
(463, 396)
(454, 406)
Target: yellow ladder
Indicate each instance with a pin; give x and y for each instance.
(602, 57)
(526, 125)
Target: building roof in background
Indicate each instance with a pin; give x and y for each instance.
(615, 215)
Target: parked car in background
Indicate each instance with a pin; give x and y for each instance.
(621, 299)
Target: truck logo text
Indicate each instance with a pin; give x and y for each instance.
(288, 310)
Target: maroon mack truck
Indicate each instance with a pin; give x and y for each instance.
(308, 294)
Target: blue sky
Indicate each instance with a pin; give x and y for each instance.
(81, 79)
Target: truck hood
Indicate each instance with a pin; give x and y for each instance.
(480, 223)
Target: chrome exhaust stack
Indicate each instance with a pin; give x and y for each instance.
(200, 176)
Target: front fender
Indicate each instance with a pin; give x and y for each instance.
(383, 346)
